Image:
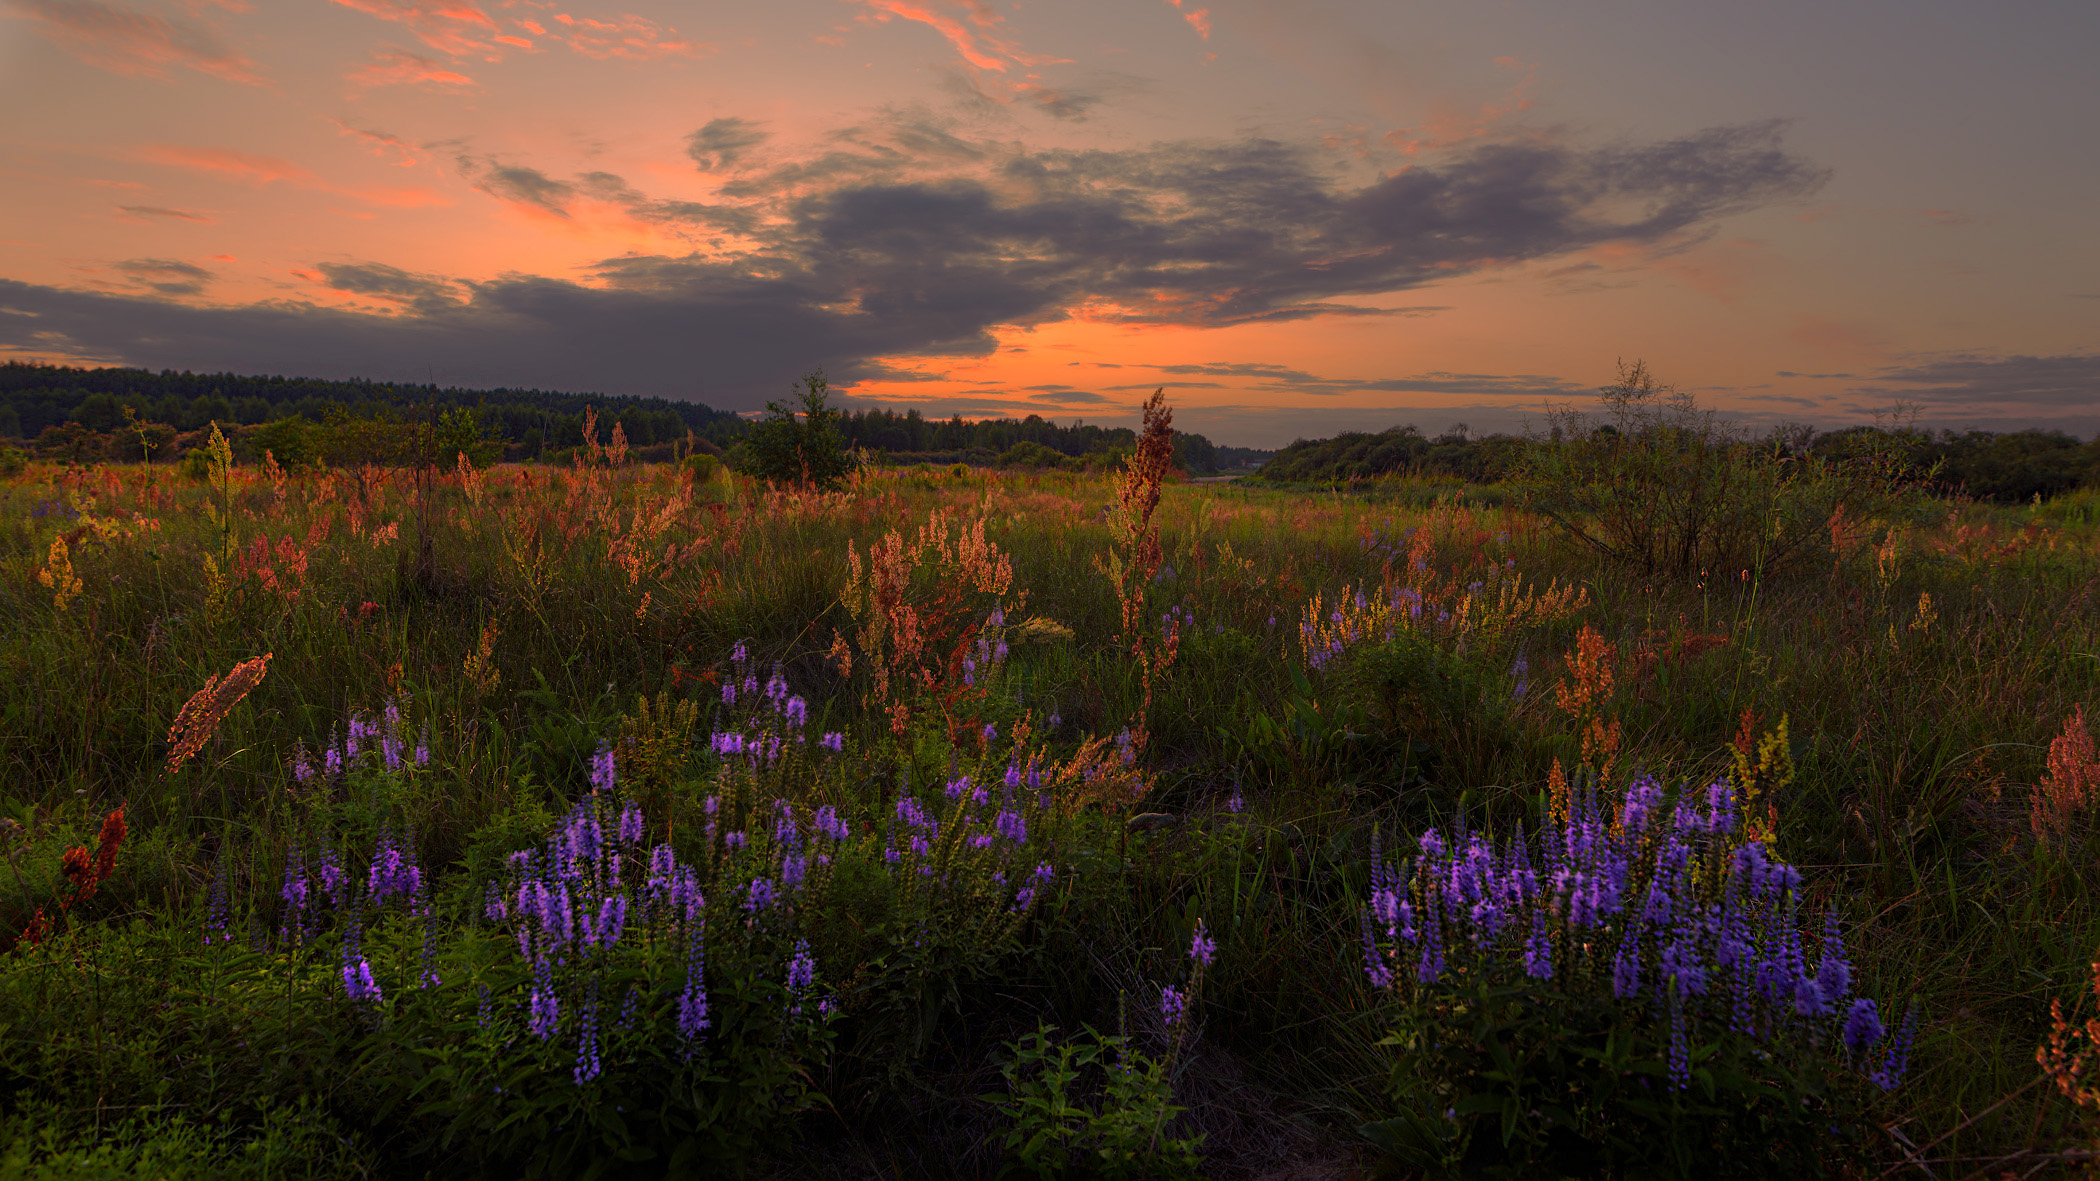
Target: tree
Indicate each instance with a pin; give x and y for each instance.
(787, 447)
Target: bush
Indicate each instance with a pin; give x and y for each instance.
(1667, 489)
(787, 448)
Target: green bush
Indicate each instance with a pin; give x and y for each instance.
(1668, 489)
(789, 448)
(1090, 1106)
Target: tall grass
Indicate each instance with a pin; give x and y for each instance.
(521, 613)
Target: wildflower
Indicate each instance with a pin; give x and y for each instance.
(630, 832)
(302, 767)
(792, 869)
(206, 708)
(422, 755)
(1375, 967)
(1201, 946)
(332, 762)
(1680, 1046)
(602, 769)
(358, 982)
(797, 712)
(829, 825)
(801, 974)
(1173, 1006)
(692, 1003)
(1538, 949)
(1897, 1061)
(612, 919)
(1862, 1025)
(587, 1064)
(1012, 826)
(833, 741)
(734, 840)
(543, 1013)
(760, 895)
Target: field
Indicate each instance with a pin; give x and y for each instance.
(599, 818)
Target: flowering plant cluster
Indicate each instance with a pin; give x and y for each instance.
(1645, 920)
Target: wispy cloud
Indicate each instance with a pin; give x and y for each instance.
(459, 28)
(399, 67)
(156, 211)
(125, 41)
(261, 170)
(462, 28)
(2069, 381)
(165, 276)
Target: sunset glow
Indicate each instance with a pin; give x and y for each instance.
(1299, 218)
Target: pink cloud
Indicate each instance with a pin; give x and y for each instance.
(977, 47)
(259, 170)
(399, 67)
(266, 170)
(381, 144)
(455, 27)
(1450, 125)
(135, 43)
(1198, 19)
(631, 38)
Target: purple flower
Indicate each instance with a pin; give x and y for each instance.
(1538, 949)
(1201, 946)
(829, 825)
(797, 712)
(332, 762)
(692, 1003)
(1626, 966)
(792, 869)
(631, 825)
(991, 732)
(1897, 1062)
(612, 919)
(1012, 826)
(602, 769)
(954, 790)
(302, 768)
(1173, 1006)
(734, 840)
(587, 1065)
(1862, 1025)
(982, 840)
(760, 895)
(833, 741)
(1013, 776)
(422, 755)
(802, 969)
(358, 982)
(1375, 967)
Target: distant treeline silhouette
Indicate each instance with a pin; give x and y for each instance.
(36, 400)
(2005, 467)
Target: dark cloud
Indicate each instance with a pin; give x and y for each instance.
(424, 293)
(1071, 397)
(722, 144)
(524, 186)
(901, 239)
(2070, 381)
(166, 276)
(125, 41)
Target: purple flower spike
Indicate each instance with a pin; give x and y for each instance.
(1201, 946)
(631, 825)
(602, 769)
(760, 895)
(1173, 1006)
(833, 741)
(1862, 1025)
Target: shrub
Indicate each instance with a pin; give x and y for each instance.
(1668, 489)
(1090, 1106)
(788, 448)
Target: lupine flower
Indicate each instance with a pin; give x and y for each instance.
(734, 840)
(797, 712)
(833, 741)
(1897, 1062)
(1173, 1006)
(1013, 776)
(1862, 1025)
(603, 769)
(1201, 946)
(428, 976)
(1538, 949)
(801, 975)
(543, 1013)
(760, 895)
(792, 869)
(631, 825)
(215, 909)
(587, 1065)
(829, 825)
(358, 982)
(302, 768)
(692, 1003)
(955, 788)
(1375, 967)
(1012, 826)
(422, 755)
(332, 762)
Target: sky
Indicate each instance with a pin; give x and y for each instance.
(1299, 216)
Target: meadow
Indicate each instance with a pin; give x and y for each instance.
(627, 819)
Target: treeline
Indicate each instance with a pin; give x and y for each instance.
(37, 398)
(2005, 467)
(1033, 441)
(80, 414)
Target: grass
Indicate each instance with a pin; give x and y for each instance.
(1917, 737)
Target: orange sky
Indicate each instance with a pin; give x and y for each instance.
(1301, 217)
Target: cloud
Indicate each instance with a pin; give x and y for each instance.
(2069, 381)
(902, 240)
(967, 24)
(381, 143)
(458, 28)
(166, 276)
(461, 28)
(721, 144)
(424, 293)
(399, 67)
(149, 211)
(260, 170)
(135, 43)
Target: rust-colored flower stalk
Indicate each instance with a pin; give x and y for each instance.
(205, 709)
